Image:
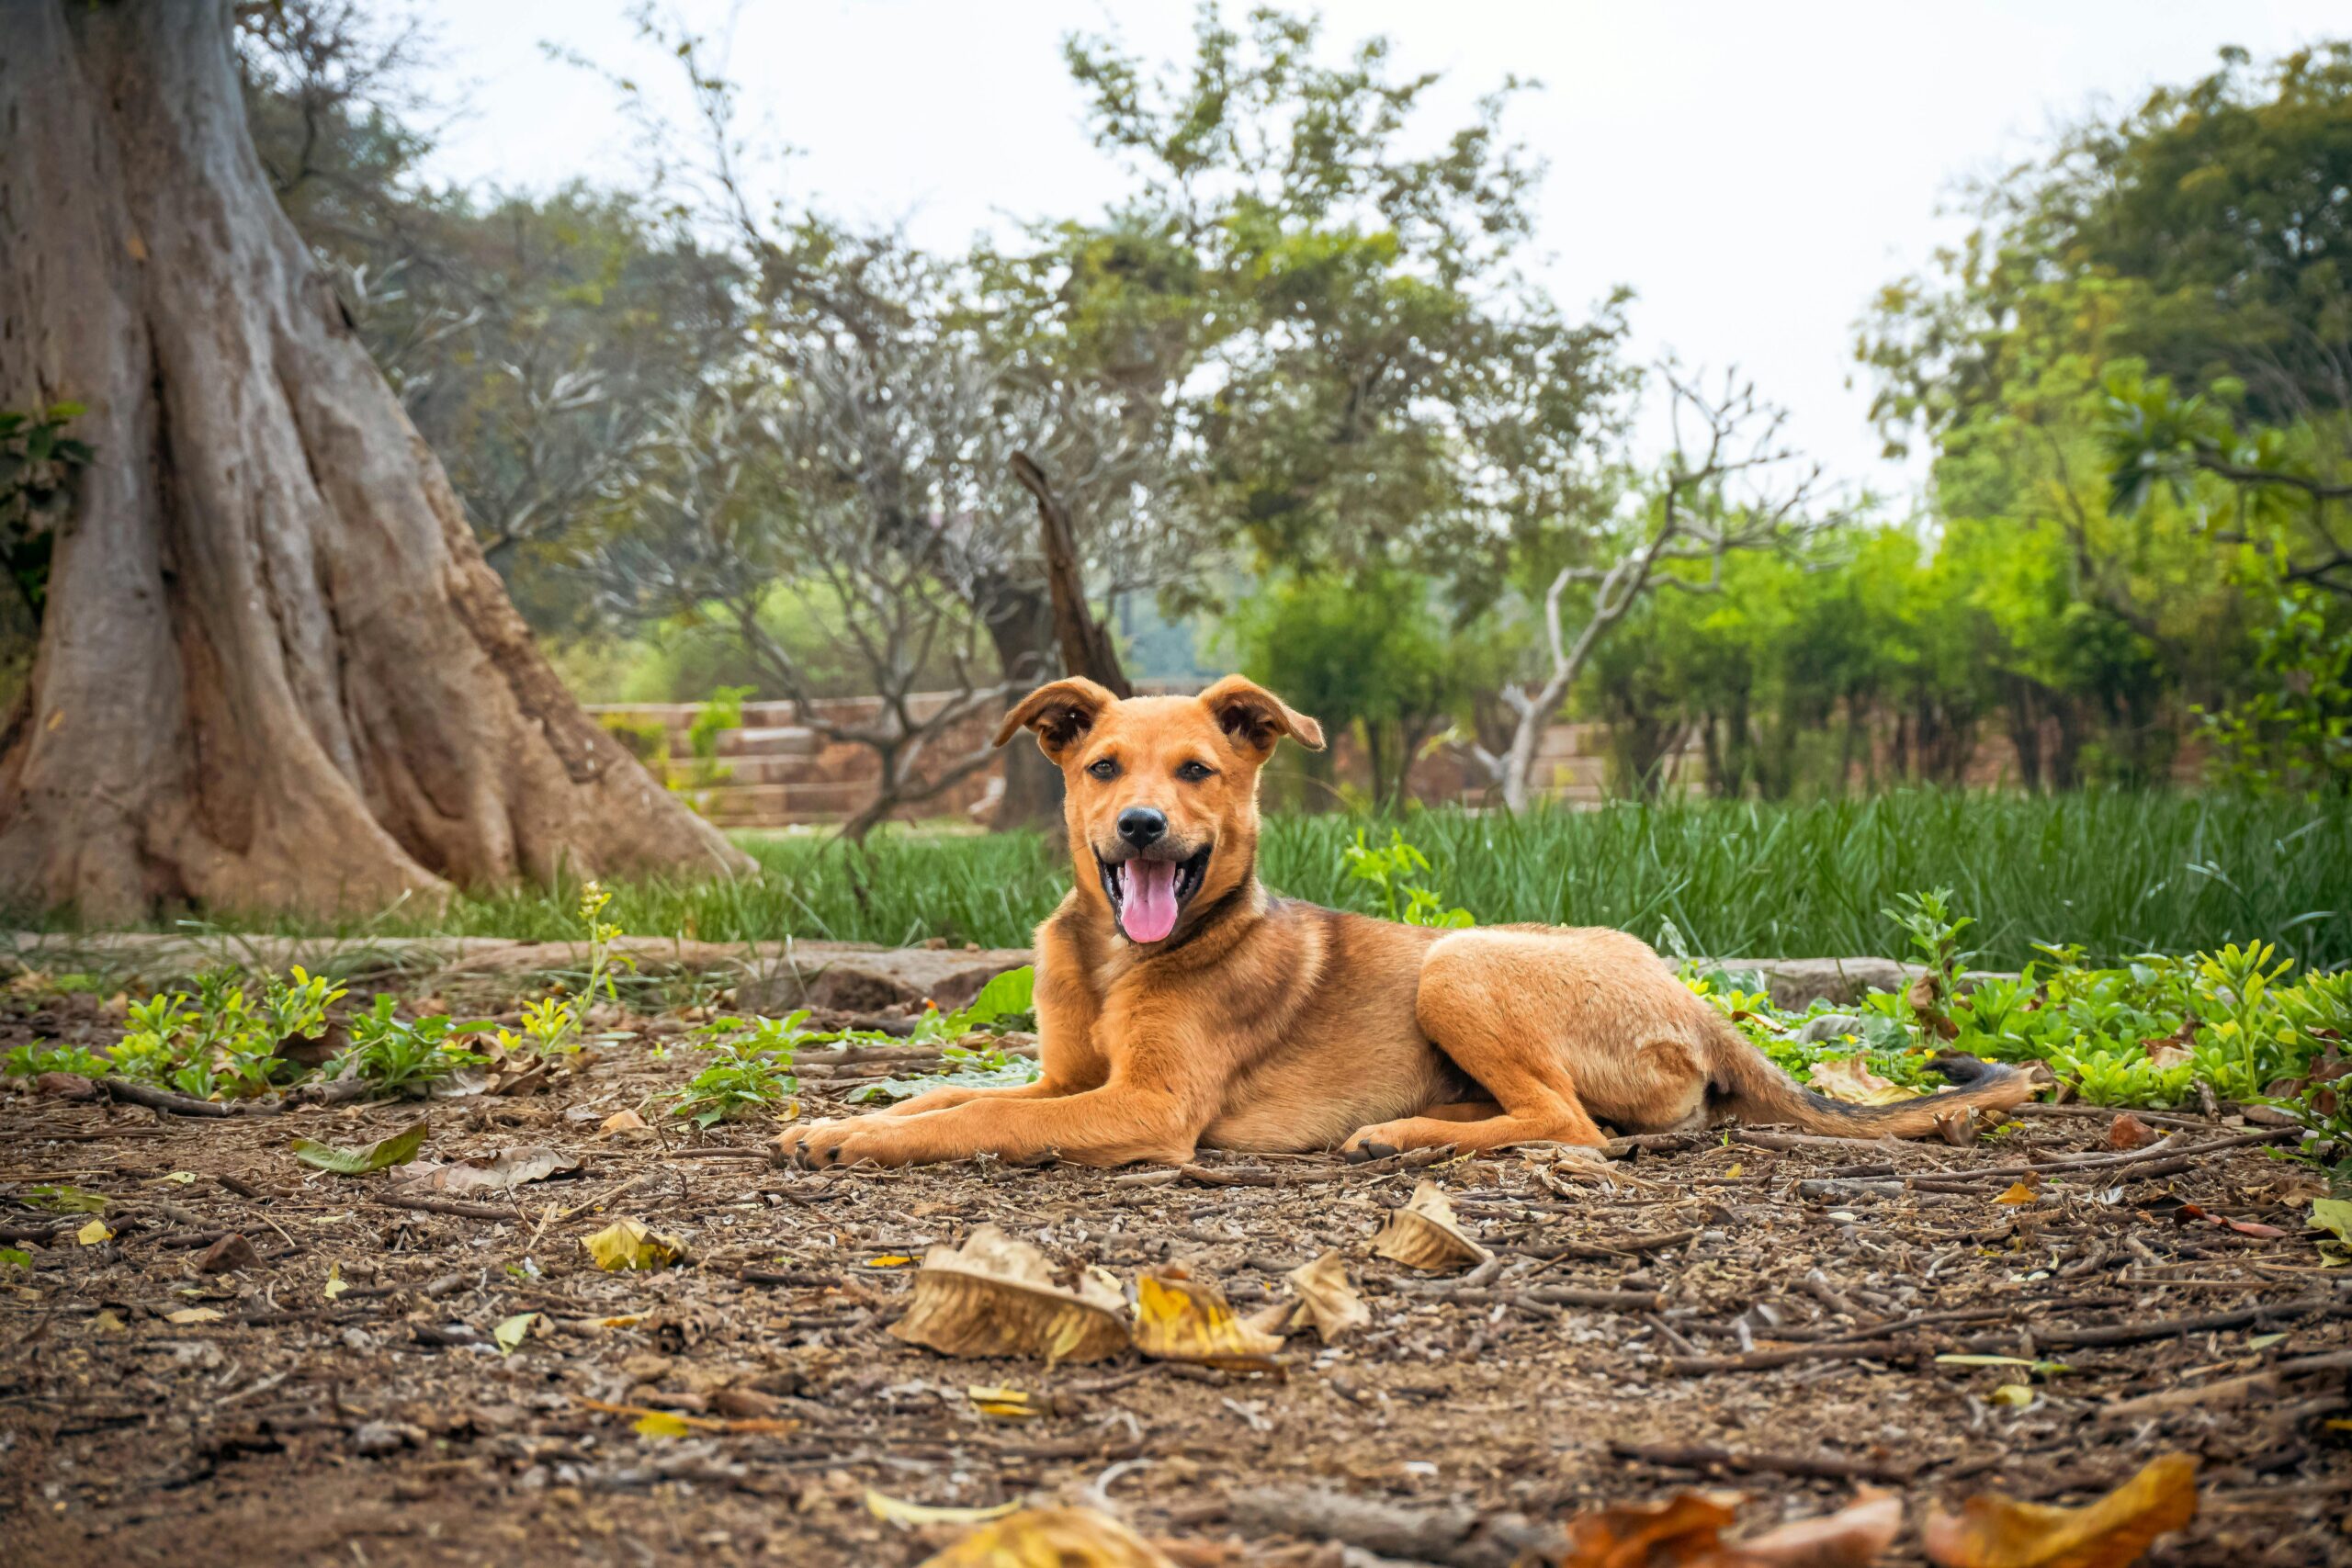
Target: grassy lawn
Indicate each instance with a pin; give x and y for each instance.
(2120, 875)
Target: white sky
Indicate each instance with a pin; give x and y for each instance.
(1755, 172)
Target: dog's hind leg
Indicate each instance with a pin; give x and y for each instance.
(1502, 1033)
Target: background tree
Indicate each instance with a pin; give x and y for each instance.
(275, 670)
(1726, 488)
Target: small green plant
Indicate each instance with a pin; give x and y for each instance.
(556, 1024)
(399, 1056)
(739, 1077)
(2248, 1041)
(32, 1061)
(1387, 869)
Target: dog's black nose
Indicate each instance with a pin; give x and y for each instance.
(1143, 826)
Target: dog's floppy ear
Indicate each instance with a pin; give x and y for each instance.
(1061, 713)
(1256, 719)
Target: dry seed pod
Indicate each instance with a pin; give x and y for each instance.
(1190, 1320)
(1424, 1235)
(1327, 1299)
(997, 1296)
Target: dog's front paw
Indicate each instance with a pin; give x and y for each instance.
(840, 1141)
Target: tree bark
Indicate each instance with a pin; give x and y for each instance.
(1085, 641)
(275, 670)
(1021, 625)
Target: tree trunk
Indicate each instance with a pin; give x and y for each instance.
(275, 670)
(1021, 625)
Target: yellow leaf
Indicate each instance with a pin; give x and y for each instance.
(893, 1260)
(1004, 1404)
(1994, 1532)
(2333, 1215)
(661, 1423)
(630, 1244)
(182, 1177)
(2019, 1192)
(93, 1234)
(2015, 1394)
(895, 1511)
(1847, 1079)
(107, 1322)
(1189, 1320)
(193, 1315)
(1051, 1538)
(999, 1296)
(335, 1286)
(1735, 1170)
(512, 1331)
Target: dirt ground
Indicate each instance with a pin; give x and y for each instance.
(1705, 1311)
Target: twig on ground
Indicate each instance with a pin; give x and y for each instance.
(1826, 1466)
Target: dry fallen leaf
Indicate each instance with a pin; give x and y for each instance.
(1004, 1404)
(896, 1511)
(511, 1168)
(623, 1122)
(1190, 1320)
(1849, 1079)
(2128, 1131)
(1327, 1299)
(1672, 1533)
(1851, 1537)
(1051, 1538)
(1685, 1531)
(2019, 1192)
(630, 1244)
(2173, 1050)
(997, 1296)
(1424, 1234)
(193, 1315)
(512, 1331)
(1994, 1532)
(93, 1234)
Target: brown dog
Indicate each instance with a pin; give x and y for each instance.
(1179, 1003)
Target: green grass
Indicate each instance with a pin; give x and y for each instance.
(2119, 874)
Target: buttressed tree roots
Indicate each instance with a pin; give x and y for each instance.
(273, 671)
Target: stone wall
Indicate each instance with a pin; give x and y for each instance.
(777, 771)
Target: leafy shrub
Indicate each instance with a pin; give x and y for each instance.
(219, 1043)
(399, 1056)
(32, 1061)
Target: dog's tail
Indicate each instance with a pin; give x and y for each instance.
(1755, 1090)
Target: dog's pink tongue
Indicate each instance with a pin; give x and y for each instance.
(1150, 910)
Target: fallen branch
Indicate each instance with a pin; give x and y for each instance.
(2062, 1338)
(1825, 1466)
(1458, 1538)
(182, 1105)
(456, 1206)
(1549, 1295)
(2263, 1385)
(1632, 1246)
(1233, 1176)
(1879, 1350)
(1756, 1138)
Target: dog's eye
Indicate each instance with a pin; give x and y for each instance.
(1105, 769)
(1194, 772)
